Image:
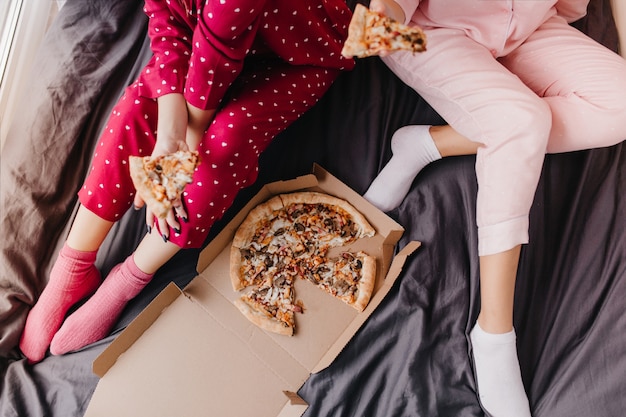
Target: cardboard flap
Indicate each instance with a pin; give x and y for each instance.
(135, 329)
(191, 362)
(286, 186)
(294, 398)
(400, 259)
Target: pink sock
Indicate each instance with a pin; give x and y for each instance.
(73, 277)
(94, 319)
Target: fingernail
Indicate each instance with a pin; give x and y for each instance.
(149, 229)
(185, 219)
(165, 238)
(177, 230)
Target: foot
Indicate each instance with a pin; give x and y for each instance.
(73, 277)
(500, 387)
(95, 319)
(413, 148)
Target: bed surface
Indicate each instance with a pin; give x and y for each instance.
(411, 356)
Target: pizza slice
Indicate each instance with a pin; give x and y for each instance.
(322, 221)
(160, 181)
(272, 305)
(349, 277)
(370, 33)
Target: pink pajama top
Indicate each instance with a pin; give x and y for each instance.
(508, 24)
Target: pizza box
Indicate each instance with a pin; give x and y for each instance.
(192, 353)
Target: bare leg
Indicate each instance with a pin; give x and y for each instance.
(493, 338)
(88, 231)
(494, 344)
(451, 143)
(497, 287)
(152, 252)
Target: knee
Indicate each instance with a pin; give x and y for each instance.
(527, 125)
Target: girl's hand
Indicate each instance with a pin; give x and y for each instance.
(178, 209)
(388, 8)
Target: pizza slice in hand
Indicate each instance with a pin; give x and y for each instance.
(160, 181)
(370, 33)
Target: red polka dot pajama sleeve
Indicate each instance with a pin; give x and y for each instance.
(170, 41)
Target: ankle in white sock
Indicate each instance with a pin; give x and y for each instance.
(413, 148)
(500, 387)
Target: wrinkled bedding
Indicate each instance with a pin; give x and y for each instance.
(411, 356)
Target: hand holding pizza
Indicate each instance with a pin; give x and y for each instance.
(388, 8)
(161, 149)
(160, 181)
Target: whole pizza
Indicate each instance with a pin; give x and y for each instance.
(288, 238)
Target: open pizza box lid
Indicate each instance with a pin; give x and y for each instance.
(192, 353)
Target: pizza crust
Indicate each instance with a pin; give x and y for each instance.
(312, 197)
(367, 282)
(261, 213)
(261, 319)
(236, 265)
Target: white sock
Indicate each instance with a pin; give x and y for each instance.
(498, 375)
(413, 148)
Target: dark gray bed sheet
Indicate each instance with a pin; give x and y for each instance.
(83, 63)
(411, 356)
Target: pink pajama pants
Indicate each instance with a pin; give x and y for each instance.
(559, 91)
(264, 100)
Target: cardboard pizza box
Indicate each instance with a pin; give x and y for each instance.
(192, 353)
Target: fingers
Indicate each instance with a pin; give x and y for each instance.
(180, 211)
(377, 6)
(164, 229)
(138, 202)
(149, 220)
(169, 223)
